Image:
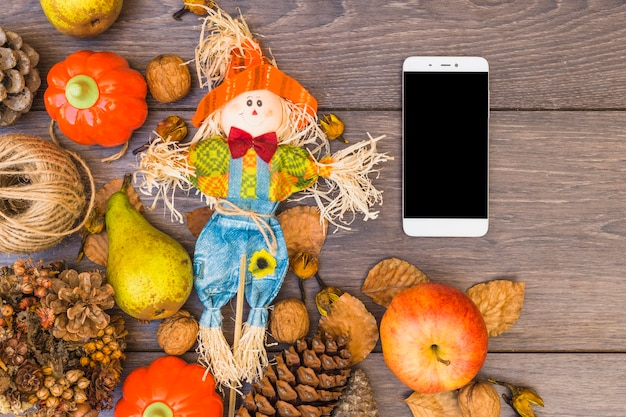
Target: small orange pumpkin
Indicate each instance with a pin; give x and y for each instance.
(169, 387)
(96, 98)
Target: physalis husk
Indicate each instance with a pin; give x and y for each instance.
(333, 127)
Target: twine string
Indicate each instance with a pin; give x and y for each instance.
(228, 208)
(42, 193)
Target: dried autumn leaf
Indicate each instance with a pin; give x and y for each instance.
(388, 278)
(443, 404)
(96, 245)
(197, 219)
(500, 302)
(97, 248)
(349, 316)
(304, 230)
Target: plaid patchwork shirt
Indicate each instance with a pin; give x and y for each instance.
(290, 170)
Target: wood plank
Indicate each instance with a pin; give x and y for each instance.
(558, 98)
(568, 383)
(543, 55)
(572, 384)
(557, 224)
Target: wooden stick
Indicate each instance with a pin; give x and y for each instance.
(238, 323)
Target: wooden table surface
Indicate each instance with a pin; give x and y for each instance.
(557, 152)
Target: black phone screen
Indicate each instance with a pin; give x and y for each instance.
(445, 148)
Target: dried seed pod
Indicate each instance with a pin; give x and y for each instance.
(177, 333)
(289, 320)
(479, 399)
(168, 78)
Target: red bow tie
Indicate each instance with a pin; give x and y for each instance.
(239, 141)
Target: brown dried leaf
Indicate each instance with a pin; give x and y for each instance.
(97, 248)
(443, 404)
(388, 278)
(96, 245)
(113, 186)
(349, 316)
(304, 230)
(197, 219)
(500, 302)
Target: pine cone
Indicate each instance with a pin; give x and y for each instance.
(19, 77)
(79, 301)
(305, 380)
(28, 378)
(358, 398)
(100, 390)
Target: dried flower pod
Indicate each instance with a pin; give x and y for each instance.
(479, 399)
(79, 395)
(333, 127)
(82, 383)
(198, 7)
(304, 265)
(177, 333)
(325, 297)
(56, 390)
(52, 402)
(521, 399)
(73, 375)
(289, 320)
(168, 78)
(43, 393)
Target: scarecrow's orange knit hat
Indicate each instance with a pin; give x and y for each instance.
(250, 70)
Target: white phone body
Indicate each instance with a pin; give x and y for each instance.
(445, 146)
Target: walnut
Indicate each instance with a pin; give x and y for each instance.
(289, 320)
(168, 78)
(479, 398)
(177, 333)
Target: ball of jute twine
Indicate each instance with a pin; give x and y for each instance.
(42, 195)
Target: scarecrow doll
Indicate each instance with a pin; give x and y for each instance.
(258, 142)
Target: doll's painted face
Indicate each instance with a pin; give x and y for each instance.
(256, 112)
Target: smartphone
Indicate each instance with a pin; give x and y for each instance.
(445, 146)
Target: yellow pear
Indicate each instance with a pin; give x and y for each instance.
(81, 18)
(150, 271)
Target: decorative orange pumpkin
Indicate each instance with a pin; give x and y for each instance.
(96, 98)
(169, 387)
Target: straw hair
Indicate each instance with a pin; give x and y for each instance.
(215, 355)
(41, 194)
(250, 354)
(229, 55)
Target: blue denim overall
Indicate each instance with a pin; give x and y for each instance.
(240, 227)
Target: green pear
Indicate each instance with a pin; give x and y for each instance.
(151, 272)
(81, 18)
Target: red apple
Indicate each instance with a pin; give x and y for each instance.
(434, 338)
